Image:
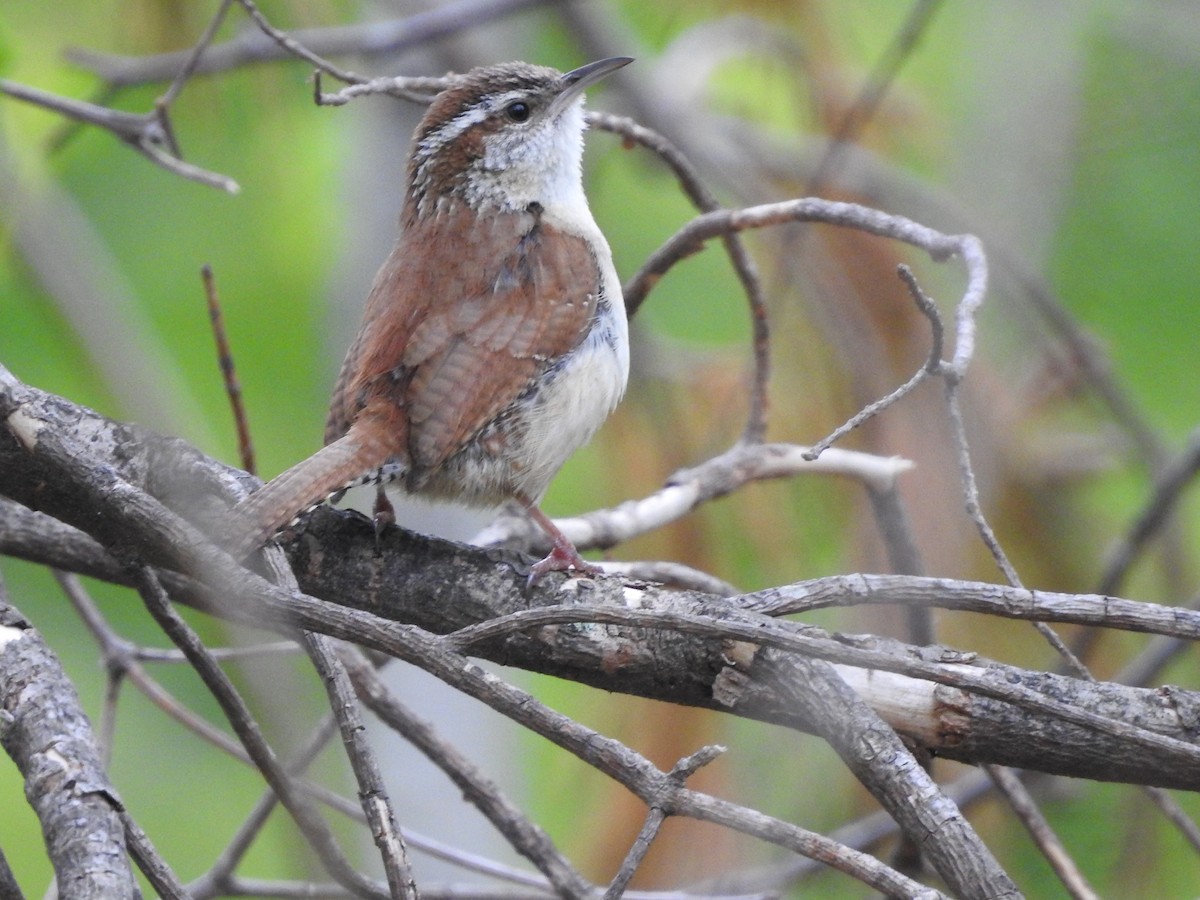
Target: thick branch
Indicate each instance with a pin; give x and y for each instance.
(445, 587)
(44, 729)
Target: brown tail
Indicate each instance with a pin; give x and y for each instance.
(304, 485)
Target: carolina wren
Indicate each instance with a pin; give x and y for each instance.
(494, 341)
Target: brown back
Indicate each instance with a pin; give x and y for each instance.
(448, 344)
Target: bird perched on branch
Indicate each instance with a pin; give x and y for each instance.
(494, 341)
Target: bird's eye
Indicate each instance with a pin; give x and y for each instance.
(517, 111)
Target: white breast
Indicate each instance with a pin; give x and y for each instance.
(589, 383)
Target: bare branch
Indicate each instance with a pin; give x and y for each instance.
(697, 191)
(368, 39)
(932, 367)
(689, 488)
(654, 821)
(525, 837)
(46, 734)
(877, 756)
(1043, 835)
(148, 133)
(233, 388)
(371, 791)
(311, 825)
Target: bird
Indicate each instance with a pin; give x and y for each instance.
(494, 342)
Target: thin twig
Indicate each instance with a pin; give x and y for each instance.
(363, 40)
(150, 862)
(371, 791)
(933, 366)
(1022, 803)
(525, 837)
(293, 47)
(233, 388)
(866, 104)
(311, 824)
(148, 133)
(697, 191)
(655, 818)
(194, 55)
(688, 489)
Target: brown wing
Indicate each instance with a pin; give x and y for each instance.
(453, 342)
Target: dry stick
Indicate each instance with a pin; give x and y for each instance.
(148, 133)
(192, 60)
(680, 772)
(984, 597)
(810, 641)
(233, 388)
(688, 489)
(68, 130)
(877, 756)
(1170, 483)
(249, 651)
(293, 47)
(371, 791)
(385, 38)
(878, 82)
(120, 664)
(415, 89)
(50, 741)
(216, 880)
(697, 191)
(372, 794)
(150, 862)
(1022, 803)
(692, 236)
(933, 366)
(525, 837)
(953, 374)
(975, 512)
(311, 825)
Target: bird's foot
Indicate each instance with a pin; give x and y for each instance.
(563, 557)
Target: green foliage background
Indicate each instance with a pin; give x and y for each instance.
(1117, 244)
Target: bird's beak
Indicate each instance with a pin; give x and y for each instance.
(578, 80)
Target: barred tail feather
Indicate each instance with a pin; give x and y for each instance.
(277, 503)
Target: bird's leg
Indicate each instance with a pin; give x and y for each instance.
(384, 514)
(563, 556)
